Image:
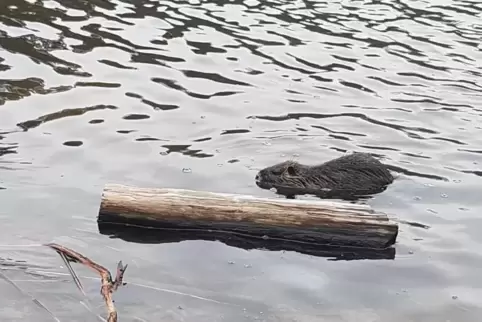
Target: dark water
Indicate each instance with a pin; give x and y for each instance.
(201, 94)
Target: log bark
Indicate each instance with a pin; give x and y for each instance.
(326, 223)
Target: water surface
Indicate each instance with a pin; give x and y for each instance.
(201, 94)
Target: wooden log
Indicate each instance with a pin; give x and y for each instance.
(326, 223)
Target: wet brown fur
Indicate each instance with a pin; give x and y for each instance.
(350, 176)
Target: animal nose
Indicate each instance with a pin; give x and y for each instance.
(257, 177)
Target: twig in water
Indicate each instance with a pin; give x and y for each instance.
(108, 285)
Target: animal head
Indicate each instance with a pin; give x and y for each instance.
(283, 174)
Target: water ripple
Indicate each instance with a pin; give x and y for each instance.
(200, 94)
(30, 124)
(291, 116)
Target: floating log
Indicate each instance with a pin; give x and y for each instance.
(315, 222)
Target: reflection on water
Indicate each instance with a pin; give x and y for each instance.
(155, 235)
(200, 94)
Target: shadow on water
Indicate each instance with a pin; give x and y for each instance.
(152, 235)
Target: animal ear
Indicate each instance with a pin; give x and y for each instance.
(291, 170)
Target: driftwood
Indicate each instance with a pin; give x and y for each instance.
(108, 285)
(319, 222)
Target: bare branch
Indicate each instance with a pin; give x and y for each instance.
(108, 286)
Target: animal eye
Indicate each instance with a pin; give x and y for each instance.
(291, 170)
(277, 172)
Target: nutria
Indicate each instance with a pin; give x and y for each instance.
(351, 176)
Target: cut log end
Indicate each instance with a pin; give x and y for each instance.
(306, 221)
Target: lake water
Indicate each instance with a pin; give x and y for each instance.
(200, 95)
